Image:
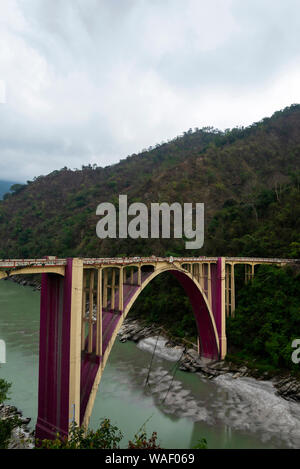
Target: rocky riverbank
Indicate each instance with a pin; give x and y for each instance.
(33, 281)
(287, 386)
(22, 437)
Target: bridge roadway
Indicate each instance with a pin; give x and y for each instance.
(54, 261)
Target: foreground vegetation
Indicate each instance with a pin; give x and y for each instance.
(107, 436)
(6, 425)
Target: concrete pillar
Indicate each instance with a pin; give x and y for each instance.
(83, 310)
(139, 275)
(232, 281)
(209, 284)
(247, 273)
(105, 288)
(99, 314)
(113, 289)
(121, 301)
(60, 351)
(221, 317)
(91, 308)
(75, 341)
(131, 276)
(201, 275)
(227, 279)
(198, 272)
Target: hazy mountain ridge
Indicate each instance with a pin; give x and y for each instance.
(55, 214)
(5, 186)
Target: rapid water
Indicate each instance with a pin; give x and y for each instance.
(181, 407)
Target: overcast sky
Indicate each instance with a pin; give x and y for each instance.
(92, 81)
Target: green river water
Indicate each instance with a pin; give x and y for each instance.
(229, 413)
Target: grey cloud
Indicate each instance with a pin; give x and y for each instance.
(96, 80)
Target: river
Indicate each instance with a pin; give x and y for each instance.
(182, 407)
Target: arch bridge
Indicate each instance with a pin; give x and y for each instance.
(83, 305)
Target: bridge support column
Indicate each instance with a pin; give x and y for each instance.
(113, 289)
(218, 303)
(221, 307)
(232, 290)
(247, 273)
(60, 351)
(83, 309)
(99, 314)
(104, 288)
(201, 275)
(75, 341)
(121, 295)
(91, 311)
(209, 284)
(227, 290)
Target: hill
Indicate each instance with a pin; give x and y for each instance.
(248, 179)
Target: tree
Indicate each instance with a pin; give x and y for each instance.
(7, 424)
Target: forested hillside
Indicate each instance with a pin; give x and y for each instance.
(248, 179)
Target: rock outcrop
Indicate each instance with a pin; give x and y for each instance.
(22, 437)
(287, 387)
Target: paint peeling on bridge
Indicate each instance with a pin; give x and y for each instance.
(83, 305)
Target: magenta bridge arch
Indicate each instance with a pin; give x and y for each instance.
(83, 305)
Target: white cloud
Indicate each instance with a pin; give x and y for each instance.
(93, 81)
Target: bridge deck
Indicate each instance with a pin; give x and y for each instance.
(17, 263)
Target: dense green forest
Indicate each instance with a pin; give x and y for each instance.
(248, 179)
(268, 314)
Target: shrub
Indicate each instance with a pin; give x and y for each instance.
(141, 441)
(9, 423)
(107, 436)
